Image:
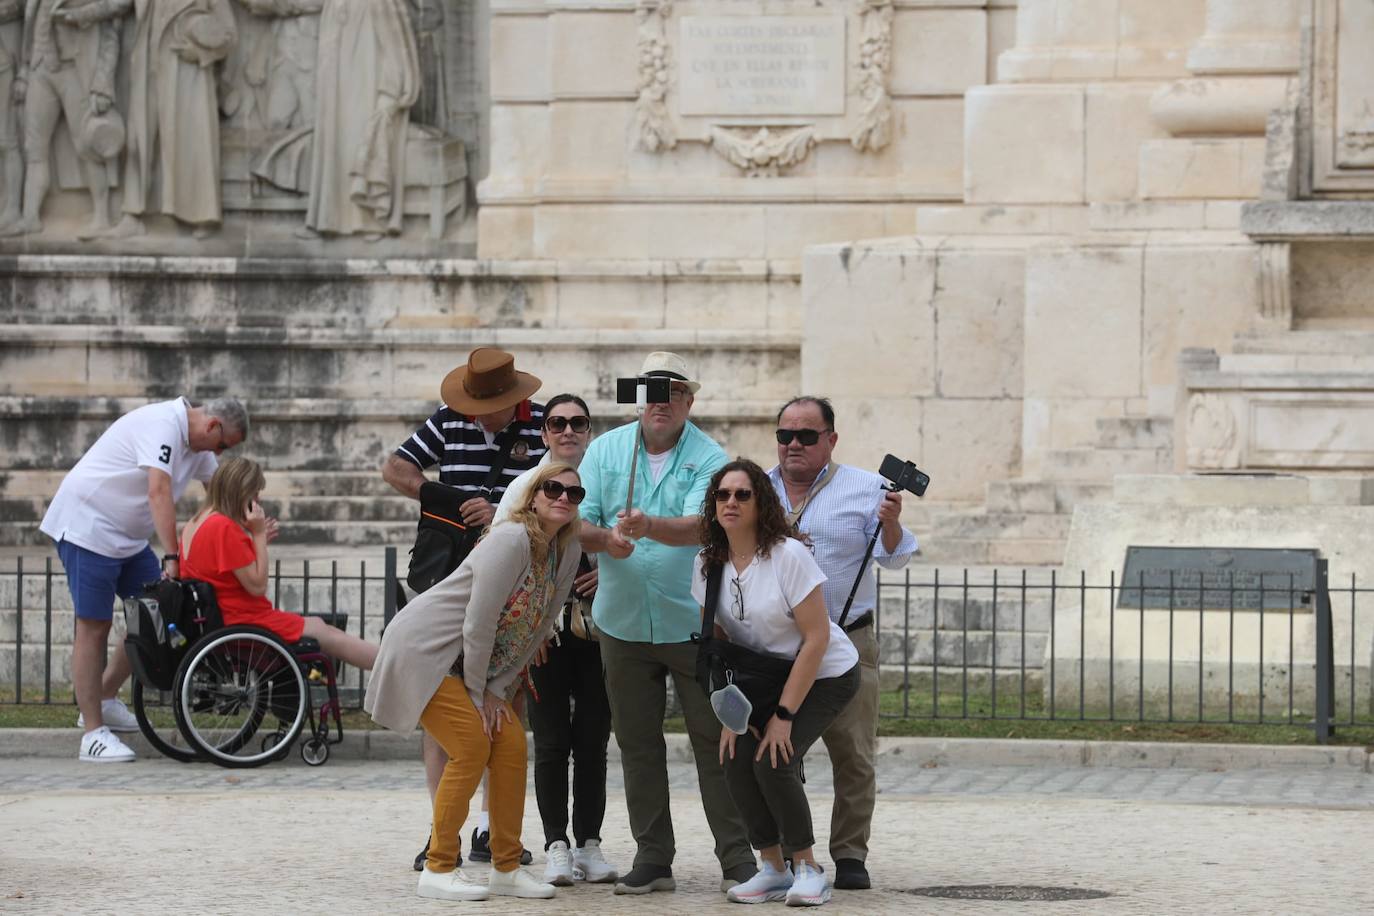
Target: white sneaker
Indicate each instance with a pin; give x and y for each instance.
(591, 866)
(116, 716)
(101, 746)
(810, 888)
(453, 885)
(764, 887)
(559, 871)
(518, 883)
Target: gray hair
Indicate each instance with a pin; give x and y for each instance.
(230, 412)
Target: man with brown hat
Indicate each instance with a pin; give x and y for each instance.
(487, 421)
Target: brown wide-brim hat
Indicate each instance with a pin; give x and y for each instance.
(487, 383)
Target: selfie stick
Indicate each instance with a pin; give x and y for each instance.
(868, 555)
(641, 402)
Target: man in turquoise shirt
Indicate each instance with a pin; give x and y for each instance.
(646, 615)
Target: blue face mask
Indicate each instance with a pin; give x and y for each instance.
(732, 708)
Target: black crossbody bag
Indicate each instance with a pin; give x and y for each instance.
(720, 662)
(442, 539)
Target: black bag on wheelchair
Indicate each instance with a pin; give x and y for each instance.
(163, 623)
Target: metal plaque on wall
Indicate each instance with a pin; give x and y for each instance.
(1210, 578)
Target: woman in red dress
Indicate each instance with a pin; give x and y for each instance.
(225, 544)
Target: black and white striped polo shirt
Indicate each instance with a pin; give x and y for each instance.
(458, 445)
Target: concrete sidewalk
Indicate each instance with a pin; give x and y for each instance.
(893, 752)
(160, 837)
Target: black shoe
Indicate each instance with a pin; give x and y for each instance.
(851, 875)
(424, 854)
(480, 848)
(645, 879)
(737, 874)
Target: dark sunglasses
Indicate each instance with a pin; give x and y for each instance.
(553, 489)
(741, 495)
(558, 424)
(804, 436)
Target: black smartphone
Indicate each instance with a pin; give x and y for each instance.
(905, 475)
(657, 389)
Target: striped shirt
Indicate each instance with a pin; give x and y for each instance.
(839, 520)
(458, 445)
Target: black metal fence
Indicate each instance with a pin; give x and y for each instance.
(1033, 646)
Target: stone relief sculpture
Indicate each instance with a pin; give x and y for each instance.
(279, 72)
(11, 158)
(431, 106)
(172, 164)
(1212, 433)
(369, 77)
(69, 59)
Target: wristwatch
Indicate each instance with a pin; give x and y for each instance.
(783, 713)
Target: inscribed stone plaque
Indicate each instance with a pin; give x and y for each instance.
(761, 65)
(1211, 578)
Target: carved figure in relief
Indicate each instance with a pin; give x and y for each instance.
(69, 57)
(1212, 433)
(172, 165)
(280, 72)
(431, 106)
(11, 159)
(369, 77)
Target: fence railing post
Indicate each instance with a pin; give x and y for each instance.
(1326, 657)
(389, 582)
(19, 629)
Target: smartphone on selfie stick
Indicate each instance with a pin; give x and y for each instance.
(641, 391)
(901, 475)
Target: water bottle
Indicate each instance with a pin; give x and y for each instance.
(175, 637)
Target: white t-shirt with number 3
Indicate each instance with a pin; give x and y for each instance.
(755, 606)
(102, 504)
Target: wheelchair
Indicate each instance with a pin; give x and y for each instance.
(239, 696)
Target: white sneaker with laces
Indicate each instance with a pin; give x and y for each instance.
(559, 870)
(452, 885)
(810, 888)
(102, 746)
(766, 886)
(116, 716)
(591, 866)
(518, 883)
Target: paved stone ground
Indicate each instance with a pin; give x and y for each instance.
(159, 837)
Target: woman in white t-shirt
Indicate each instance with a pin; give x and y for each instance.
(770, 601)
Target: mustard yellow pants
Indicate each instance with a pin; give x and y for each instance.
(452, 720)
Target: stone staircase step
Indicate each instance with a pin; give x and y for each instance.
(75, 361)
(308, 510)
(1010, 681)
(1251, 363)
(922, 647)
(1320, 343)
(1104, 464)
(1135, 432)
(977, 612)
(1058, 496)
(1049, 552)
(1002, 526)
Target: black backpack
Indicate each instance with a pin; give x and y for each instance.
(154, 652)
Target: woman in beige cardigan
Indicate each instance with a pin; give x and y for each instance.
(452, 659)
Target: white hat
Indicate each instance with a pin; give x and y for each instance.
(669, 365)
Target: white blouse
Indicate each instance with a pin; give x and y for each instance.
(755, 606)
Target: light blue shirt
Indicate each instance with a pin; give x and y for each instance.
(647, 597)
(840, 520)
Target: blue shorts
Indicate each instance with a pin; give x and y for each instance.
(95, 579)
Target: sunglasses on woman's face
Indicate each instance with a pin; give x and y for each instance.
(741, 495)
(553, 489)
(558, 424)
(804, 436)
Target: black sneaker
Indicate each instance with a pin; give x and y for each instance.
(645, 879)
(480, 848)
(851, 875)
(737, 874)
(424, 854)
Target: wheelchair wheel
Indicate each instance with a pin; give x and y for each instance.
(157, 720)
(314, 751)
(227, 687)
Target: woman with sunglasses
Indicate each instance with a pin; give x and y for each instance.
(570, 715)
(452, 659)
(771, 603)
